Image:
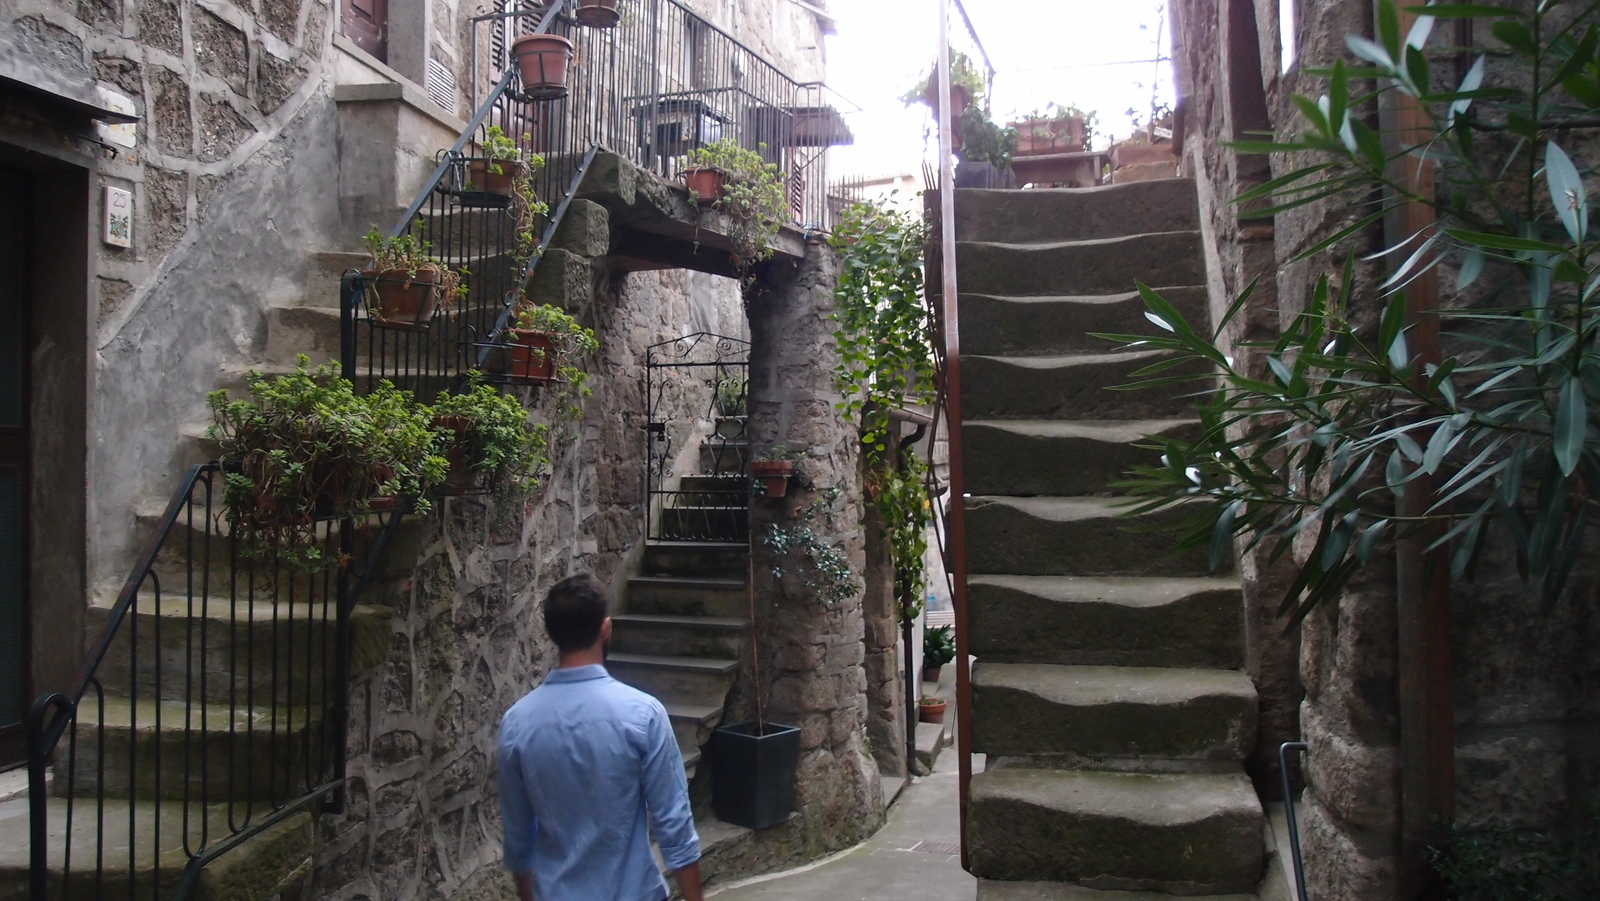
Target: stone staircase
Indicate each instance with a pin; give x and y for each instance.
(1108, 694)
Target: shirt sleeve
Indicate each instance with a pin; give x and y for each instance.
(516, 810)
(666, 793)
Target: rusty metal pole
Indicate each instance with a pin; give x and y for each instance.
(1426, 695)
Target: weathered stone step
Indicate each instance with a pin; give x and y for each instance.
(688, 596)
(1072, 536)
(266, 862)
(194, 752)
(676, 680)
(721, 458)
(715, 559)
(1075, 386)
(683, 636)
(991, 890)
(1117, 621)
(309, 330)
(692, 725)
(1182, 834)
(997, 326)
(1092, 712)
(222, 649)
(1026, 458)
(1075, 213)
(1090, 266)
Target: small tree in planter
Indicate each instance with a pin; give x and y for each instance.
(305, 447)
(488, 439)
(751, 195)
(406, 286)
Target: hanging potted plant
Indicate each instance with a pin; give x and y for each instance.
(405, 287)
(487, 440)
(774, 469)
(539, 341)
(706, 184)
(597, 13)
(931, 710)
(966, 87)
(751, 196)
(938, 648)
(543, 61)
(491, 178)
(305, 447)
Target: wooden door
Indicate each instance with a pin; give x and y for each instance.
(14, 365)
(367, 23)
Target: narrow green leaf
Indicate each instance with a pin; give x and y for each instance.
(1222, 536)
(1369, 539)
(1567, 192)
(1571, 426)
(1502, 242)
(1471, 268)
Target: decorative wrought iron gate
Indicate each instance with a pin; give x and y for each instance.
(697, 453)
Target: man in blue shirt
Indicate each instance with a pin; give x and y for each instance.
(585, 763)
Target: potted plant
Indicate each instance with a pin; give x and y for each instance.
(706, 184)
(966, 86)
(1055, 129)
(986, 152)
(405, 286)
(938, 648)
(751, 195)
(539, 340)
(931, 710)
(495, 173)
(306, 447)
(752, 776)
(487, 439)
(597, 13)
(774, 468)
(543, 61)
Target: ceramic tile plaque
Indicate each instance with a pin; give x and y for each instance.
(119, 217)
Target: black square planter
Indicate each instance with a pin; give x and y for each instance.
(752, 776)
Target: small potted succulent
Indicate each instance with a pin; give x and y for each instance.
(774, 469)
(539, 340)
(1057, 128)
(543, 60)
(495, 173)
(405, 286)
(938, 648)
(597, 13)
(305, 447)
(750, 193)
(931, 710)
(487, 440)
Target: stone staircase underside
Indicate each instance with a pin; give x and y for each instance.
(1107, 694)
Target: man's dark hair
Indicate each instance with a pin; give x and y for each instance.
(574, 610)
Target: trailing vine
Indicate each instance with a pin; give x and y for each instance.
(824, 568)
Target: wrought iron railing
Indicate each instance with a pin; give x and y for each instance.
(662, 82)
(210, 707)
(697, 453)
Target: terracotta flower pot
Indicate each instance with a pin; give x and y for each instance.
(543, 60)
(775, 473)
(401, 299)
(480, 172)
(597, 13)
(931, 711)
(706, 184)
(1042, 137)
(532, 357)
(931, 673)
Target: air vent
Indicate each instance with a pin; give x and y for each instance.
(442, 85)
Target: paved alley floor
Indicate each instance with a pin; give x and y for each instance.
(916, 855)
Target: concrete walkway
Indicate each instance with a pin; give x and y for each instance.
(916, 856)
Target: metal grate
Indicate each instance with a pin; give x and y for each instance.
(442, 86)
(949, 848)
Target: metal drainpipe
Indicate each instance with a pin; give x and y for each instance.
(1427, 741)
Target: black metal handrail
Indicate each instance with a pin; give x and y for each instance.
(215, 690)
(660, 84)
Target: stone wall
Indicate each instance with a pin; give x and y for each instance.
(1524, 682)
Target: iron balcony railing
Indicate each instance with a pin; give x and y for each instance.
(210, 707)
(659, 84)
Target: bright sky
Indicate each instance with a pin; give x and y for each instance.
(1042, 50)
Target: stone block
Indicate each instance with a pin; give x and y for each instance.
(585, 230)
(1057, 325)
(1076, 536)
(1014, 217)
(161, 25)
(1060, 459)
(221, 49)
(222, 128)
(1078, 387)
(1088, 267)
(170, 116)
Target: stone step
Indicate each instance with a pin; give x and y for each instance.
(688, 596)
(682, 636)
(1181, 834)
(714, 559)
(309, 330)
(1075, 386)
(1094, 712)
(722, 458)
(1118, 621)
(990, 890)
(200, 752)
(1073, 536)
(1076, 213)
(1081, 267)
(705, 523)
(727, 493)
(219, 650)
(1027, 458)
(716, 485)
(699, 681)
(997, 326)
(150, 851)
(692, 725)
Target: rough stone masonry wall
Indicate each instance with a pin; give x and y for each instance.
(1525, 681)
(468, 639)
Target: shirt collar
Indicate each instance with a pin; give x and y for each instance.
(577, 674)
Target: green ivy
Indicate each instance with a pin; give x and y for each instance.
(824, 568)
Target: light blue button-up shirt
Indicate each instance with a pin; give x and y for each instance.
(585, 763)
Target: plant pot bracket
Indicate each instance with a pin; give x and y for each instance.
(488, 351)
